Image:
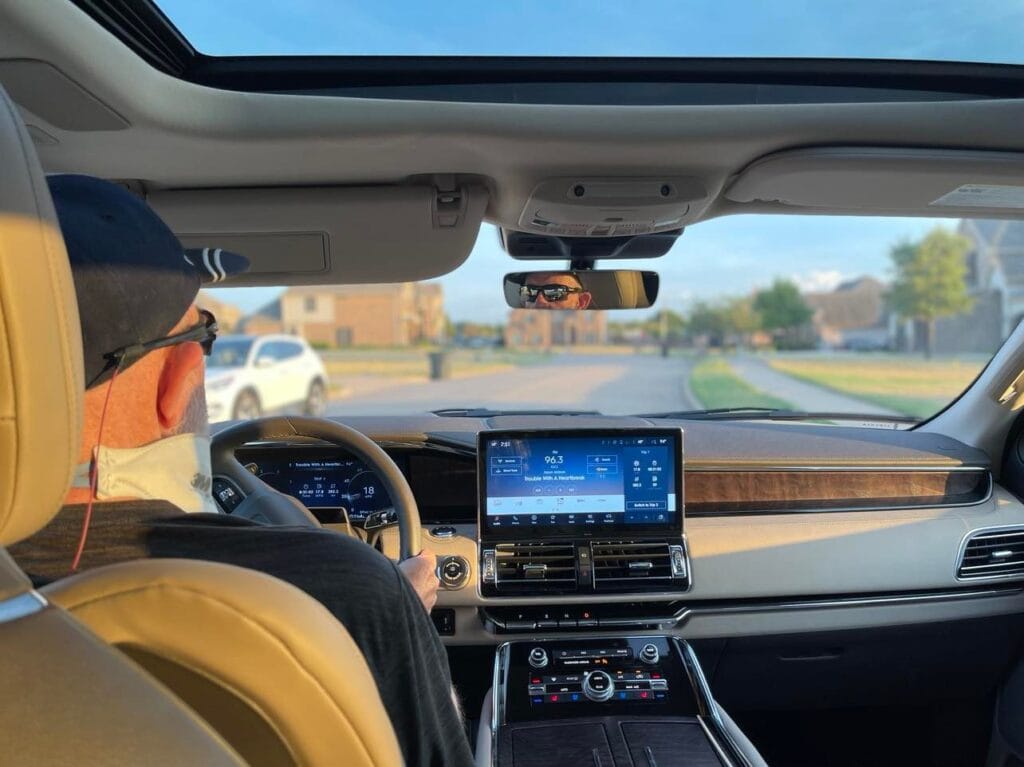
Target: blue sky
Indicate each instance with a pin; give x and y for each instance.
(727, 256)
(967, 30)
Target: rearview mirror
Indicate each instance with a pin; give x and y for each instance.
(582, 289)
(264, 362)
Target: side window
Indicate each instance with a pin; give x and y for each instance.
(280, 350)
(266, 352)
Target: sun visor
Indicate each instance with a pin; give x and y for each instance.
(331, 235)
(886, 181)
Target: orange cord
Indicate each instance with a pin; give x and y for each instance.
(93, 476)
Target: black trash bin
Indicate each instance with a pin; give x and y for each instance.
(440, 365)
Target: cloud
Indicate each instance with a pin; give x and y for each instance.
(819, 280)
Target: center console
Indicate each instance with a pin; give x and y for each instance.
(581, 512)
(636, 701)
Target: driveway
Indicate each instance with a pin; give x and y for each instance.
(613, 384)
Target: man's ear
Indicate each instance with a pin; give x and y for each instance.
(181, 374)
(585, 299)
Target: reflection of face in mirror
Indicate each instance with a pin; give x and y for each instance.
(554, 290)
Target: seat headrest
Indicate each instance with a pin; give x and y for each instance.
(41, 386)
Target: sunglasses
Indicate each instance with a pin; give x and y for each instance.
(203, 333)
(552, 293)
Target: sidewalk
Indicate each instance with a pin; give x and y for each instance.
(801, 395)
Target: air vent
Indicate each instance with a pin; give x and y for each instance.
(535, 567)
(622, 564)
(995, 554)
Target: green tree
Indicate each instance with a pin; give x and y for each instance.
(741, 317)
(781, 307)
(709, 320)
(784, 313)
(930, 280)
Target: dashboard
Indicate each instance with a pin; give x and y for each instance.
(785, 528)
(822, 561)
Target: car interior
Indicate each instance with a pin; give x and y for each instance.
(775, 593)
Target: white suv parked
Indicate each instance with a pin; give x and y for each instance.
(249, 376)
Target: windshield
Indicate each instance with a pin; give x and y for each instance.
(882, 317)
(228, 352)
(983, 30)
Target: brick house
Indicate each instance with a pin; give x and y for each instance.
(339, 316)
(544, 329)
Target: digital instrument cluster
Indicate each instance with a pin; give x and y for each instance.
(326, 482)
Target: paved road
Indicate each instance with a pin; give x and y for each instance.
(614, 384)
(802, 395)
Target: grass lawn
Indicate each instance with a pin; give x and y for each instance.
(715, 385)
(908, 384)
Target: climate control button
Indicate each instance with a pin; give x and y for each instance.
(598, 686)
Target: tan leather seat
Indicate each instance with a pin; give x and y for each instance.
(275, 678)
(68, 698)
(267, 666)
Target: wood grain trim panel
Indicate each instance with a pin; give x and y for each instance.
(729, 492)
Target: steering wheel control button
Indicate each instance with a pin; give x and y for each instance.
(598, 686)
(649, 654)
(443, 531)
(226, 494)
(539, 658)
(453, 572)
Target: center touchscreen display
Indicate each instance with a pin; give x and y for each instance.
(579, 481)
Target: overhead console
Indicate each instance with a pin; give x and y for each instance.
(612, 207)
(583, 511)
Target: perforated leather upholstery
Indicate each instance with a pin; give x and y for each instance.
(41, 385)
(286, 683)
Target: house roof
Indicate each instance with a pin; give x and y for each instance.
(1003, 241)
(1003, 235)
(854, 304)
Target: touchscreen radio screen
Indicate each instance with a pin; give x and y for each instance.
(581, 480)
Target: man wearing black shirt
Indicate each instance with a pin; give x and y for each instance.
(143, 489)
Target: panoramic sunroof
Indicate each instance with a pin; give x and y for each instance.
(953, 30)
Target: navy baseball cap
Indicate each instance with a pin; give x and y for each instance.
(133, 279)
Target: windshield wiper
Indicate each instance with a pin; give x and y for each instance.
(776, 414)
(484, 412)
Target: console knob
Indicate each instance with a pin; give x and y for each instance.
(649, 654)
(598, 686)
(538, 657)
(453, 572)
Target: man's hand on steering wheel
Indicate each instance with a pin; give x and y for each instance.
(421, 571)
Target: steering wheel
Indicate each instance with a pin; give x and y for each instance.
(263, 502)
